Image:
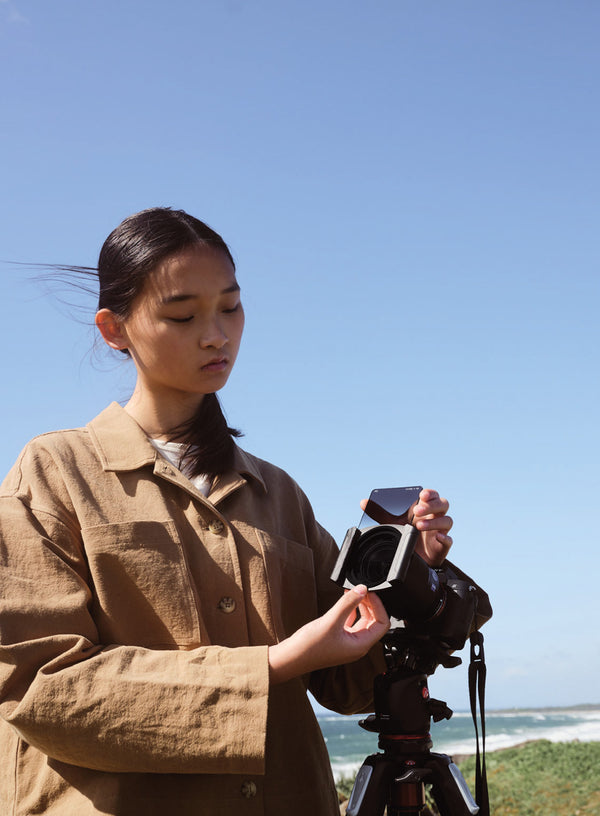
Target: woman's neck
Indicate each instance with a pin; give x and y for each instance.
(157, 418)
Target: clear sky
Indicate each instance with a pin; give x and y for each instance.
(410, 189)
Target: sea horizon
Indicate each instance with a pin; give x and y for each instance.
(348, 744)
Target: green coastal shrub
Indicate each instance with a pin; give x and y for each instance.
(541, 778)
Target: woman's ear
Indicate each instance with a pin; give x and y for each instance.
(112, 330)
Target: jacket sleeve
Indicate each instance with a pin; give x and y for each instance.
(110, 707)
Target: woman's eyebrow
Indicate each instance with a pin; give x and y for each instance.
(182, 297)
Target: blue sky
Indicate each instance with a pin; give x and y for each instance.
(411, 191)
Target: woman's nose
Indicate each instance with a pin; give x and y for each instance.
(213, 336)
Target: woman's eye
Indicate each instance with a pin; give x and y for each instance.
(233, 309)
(181, 319)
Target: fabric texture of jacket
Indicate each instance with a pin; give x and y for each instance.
(135, 616)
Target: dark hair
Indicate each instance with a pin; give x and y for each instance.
(128, 256)
(139, 244)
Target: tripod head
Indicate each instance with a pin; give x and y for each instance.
(403, 707)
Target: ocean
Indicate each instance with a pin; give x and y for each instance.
(348, 744)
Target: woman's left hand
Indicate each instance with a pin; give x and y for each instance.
(431, 520)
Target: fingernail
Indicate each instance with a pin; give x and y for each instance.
(361, 590)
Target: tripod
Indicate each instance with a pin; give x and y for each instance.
(403, 712)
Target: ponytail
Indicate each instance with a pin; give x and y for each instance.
(209, 440)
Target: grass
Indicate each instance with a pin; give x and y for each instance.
(542, 777)
(539, 778)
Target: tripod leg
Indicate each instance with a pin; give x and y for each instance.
(369, 794)
(450, 791)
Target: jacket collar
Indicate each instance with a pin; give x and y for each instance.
(123, 446)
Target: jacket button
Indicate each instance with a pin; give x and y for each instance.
(216, 526)
(226, 605)
(248, 789)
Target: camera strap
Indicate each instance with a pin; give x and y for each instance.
(477, 674)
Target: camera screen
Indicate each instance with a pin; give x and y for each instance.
(389, 505)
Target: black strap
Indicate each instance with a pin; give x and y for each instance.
(477, 672)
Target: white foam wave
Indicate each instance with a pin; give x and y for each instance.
(587, 729)
(536, 713)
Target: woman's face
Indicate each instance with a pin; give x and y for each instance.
(185, 328)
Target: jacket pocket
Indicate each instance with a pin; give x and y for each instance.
(291, 580)
(142, 594)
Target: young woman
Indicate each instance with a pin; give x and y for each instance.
(165, 599)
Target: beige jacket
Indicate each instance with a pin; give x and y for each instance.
(135, 616)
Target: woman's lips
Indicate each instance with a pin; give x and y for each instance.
(218, 364)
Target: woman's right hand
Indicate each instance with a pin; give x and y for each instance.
(337, 637)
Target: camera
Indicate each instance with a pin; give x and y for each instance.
(433, 612)
(444, 603)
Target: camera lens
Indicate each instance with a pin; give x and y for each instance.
(407, 586)
(373, 556)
